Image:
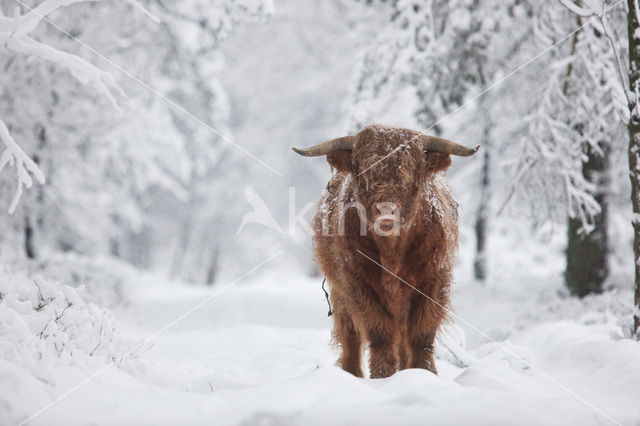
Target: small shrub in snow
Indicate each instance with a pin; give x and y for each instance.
(44, 324)
(105, 280)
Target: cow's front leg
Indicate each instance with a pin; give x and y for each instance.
(350, 341)
(424, 320)
(383, 359)
(377, 325)
(423, 351)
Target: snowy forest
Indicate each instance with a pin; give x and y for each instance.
(157, 257)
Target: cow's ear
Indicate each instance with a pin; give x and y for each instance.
(340, 160)
(437, 161)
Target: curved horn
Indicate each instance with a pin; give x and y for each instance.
(344, 143)
(432, 143)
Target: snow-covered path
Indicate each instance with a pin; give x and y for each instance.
(258, 353)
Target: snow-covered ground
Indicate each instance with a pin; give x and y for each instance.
(258, 352)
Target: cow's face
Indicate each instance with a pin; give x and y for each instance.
(389, 172)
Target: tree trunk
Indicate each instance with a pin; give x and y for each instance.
(587, 265)
(212, 270)
(482, 213)
(180, 249)
(633, 28)
(32, 226)
(587, 255)
(29, 243)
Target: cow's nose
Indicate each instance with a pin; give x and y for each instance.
(387, 208)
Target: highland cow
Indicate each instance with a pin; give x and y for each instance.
(385, 236)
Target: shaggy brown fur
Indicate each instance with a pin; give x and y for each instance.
(371, 305)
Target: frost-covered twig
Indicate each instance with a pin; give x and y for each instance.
(15, 35)
(25, 166)
(82, 70)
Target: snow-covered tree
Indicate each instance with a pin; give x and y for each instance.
(16, 37)
(108, 172)
(573, 125)
(447, 54)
